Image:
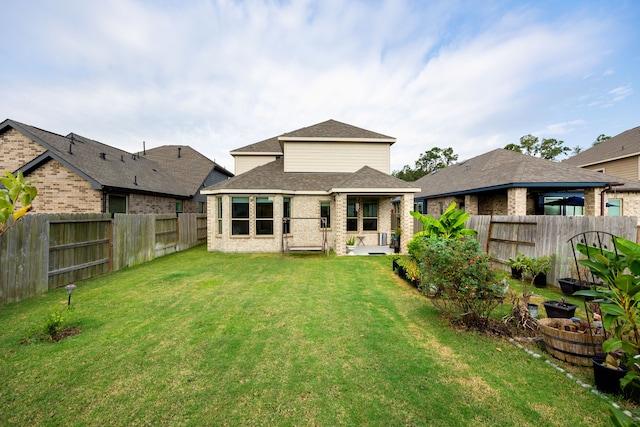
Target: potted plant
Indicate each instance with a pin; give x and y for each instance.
(538, 268)
(351, 245)
(618, 302)
(578, 282)
(559, 309)
(517, 265)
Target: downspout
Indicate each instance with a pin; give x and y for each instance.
(104, 201)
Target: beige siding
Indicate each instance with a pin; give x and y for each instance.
(624, 168)
(335, 157)
(245, 163)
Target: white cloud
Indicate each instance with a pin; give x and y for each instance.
(218, 75)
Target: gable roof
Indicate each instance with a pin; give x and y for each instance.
(620, 146)
(184, 164)
(271, 178)
(330, 130)
(103, 166)
(501, 169)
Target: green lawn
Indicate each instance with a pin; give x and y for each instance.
(201, 338)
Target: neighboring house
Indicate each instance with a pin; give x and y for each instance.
(504, 182)
(331, 170)
(75, 174)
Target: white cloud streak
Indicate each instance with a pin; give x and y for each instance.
(218, 75)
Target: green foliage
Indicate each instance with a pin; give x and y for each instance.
(450, 225)
(620, 419)
(547, 149)
(618, 300)
(458, 276)
(54, 323)
(351, 241)
(429, 161)
(519, 262)
(15, 199)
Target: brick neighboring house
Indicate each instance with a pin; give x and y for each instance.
(504, 182)
(75, 174)
(329, 170)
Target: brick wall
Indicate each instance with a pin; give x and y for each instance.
(62, 191)
(16, 150)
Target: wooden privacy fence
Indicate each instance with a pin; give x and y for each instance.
(46, 251)
(505, 236)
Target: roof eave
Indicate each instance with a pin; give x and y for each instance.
(563, 185)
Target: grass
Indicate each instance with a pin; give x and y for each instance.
(199, 338)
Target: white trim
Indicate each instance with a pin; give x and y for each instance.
(257, 153)
(375, 190)
(335, 139)
(611, 159)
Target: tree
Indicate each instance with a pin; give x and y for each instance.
(429, 161)
(546, 149)
(601, 138)
(15, 199)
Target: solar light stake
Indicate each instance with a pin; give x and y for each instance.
(70, 288)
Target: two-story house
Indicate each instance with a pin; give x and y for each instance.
(618, 156)
(75, 174)
(311, 188)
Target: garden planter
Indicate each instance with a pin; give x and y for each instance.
(556, 309)
(516, 273)
(570, 285)
(607, 379)
(533, 310)
(570, 341)
(540, 280)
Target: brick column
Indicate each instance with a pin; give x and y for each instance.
(471, 204)
(517, 201)
(592, 201)
(340, 224)
(406, 221)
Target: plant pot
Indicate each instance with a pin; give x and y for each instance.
(533, 310)
(350, 249)
(556, 309)
(570, 285)
(540, 281)
(516, 273)
(607, 379)
(569, 341)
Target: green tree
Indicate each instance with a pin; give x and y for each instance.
(545, 149)
(15, 199)
(429, 161)
(601, 138)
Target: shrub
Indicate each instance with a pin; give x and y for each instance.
(55, 322)
(458, 277)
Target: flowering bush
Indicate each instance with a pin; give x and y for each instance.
(458, 277)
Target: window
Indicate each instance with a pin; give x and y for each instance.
(264, 215)
(614, 207)
(286, 213)
(370, 215)
(219, 214)
(239, 216)
(117, 204)
(418, 207)
(352, 214)
(441, 207)
(179, 206)
(325, 212)
(200, 207)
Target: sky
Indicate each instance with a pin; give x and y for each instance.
(221, 74)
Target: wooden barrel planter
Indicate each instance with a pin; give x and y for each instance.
(570, 341)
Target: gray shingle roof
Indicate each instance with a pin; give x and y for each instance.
(271, 176)
(184, 164)
(502, 168)
(102, 165)
(623, 145)
(330, 129)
